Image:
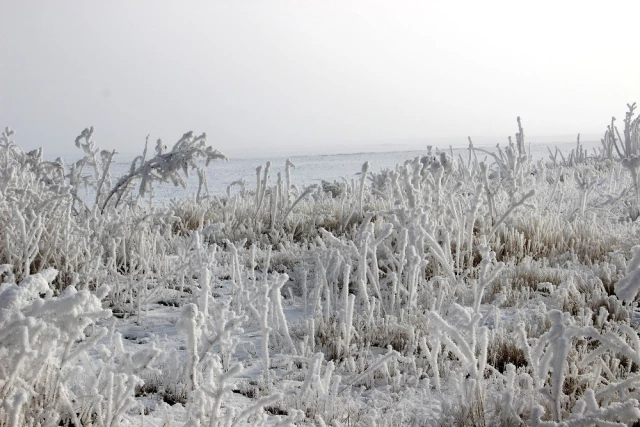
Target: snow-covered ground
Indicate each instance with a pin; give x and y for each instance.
(482, 287)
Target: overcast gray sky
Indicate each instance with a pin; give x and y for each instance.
(307, 76)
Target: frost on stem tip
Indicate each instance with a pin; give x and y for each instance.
(627, 288)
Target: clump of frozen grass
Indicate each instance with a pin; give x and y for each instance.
(551, 237)
(43, 337)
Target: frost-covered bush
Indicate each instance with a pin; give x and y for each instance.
(48, 224)
(43, 337)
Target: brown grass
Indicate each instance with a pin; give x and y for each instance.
(504, 351)
(550, 237)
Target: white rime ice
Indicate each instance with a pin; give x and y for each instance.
(482, 286)
(627, 288)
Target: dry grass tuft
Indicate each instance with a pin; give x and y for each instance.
(552, 236)
(504, 351)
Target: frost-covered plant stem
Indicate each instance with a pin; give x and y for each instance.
(489, 272)
(189, 325)
(264, 320)
(363, 177)
(288, 166)
(514, 205)
(262, 188)
(304, 194)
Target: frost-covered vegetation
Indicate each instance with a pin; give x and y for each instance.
(486, 289)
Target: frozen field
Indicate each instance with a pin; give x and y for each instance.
(411, 288)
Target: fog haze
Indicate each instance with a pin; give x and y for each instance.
(290, 77)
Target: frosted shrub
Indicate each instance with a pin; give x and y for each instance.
(165, 166)
(34, 237)
(42, 339)
(627, 147)
(40, 202)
